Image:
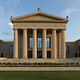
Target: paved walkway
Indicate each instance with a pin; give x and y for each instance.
(39, 68)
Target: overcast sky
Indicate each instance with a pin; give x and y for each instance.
(60, 8)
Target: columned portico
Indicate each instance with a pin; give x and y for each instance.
(39, 35)
(54, 44)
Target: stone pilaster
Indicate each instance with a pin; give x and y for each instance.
(44, 52)
(63, 55)
(15, 43)
(54, 47)
(34, 43)
(25, 43)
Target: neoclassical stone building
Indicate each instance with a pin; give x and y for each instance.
(39, 35)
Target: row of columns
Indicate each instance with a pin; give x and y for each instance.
(44, 50)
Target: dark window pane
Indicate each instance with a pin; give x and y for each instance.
(48, 54)
(29, 54)
(75, 54)
(39, 54)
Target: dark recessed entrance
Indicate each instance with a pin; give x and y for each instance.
(48, 54)
(39, 54)
(1, 54)
(29, 54)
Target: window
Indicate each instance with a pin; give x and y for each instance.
(39, 42)
(48, 42)
(30, 42)
(75, 54)
(39, 54)
(2, 55)
(48, 54)
(29, 54)
(67, 49)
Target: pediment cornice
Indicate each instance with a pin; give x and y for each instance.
(39, 17)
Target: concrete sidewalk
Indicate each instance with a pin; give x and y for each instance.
(39, 68)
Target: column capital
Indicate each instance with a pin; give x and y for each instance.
(34, 29)
(25, 29)
(15, 29)
(54, 29)
(44, 29)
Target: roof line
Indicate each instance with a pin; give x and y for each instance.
(46, 14)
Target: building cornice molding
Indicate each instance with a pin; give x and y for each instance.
(54, 18)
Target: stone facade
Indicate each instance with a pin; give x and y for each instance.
(73, 49)
(6, 49)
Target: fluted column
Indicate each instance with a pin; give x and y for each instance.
(34, 43)
(44, 52)
(60, 44)
(24, 43)
(15, 43)
(54, 48)
(63, 55)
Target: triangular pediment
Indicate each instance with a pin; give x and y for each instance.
(36, 17)
(39, 17)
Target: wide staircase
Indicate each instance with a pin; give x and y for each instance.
(12, 60)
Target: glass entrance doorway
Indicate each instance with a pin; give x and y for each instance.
(29, 54)
(48, 54)
(39, 54)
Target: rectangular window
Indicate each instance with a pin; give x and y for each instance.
(75, 54)
(39, 54)
(48, 42)
(48, 54)
(67, 49)
(39, 42)
(29, 54)
(30, 42)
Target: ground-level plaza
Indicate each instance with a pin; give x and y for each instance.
(39, 35)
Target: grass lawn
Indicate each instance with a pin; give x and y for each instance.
(59, 75)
